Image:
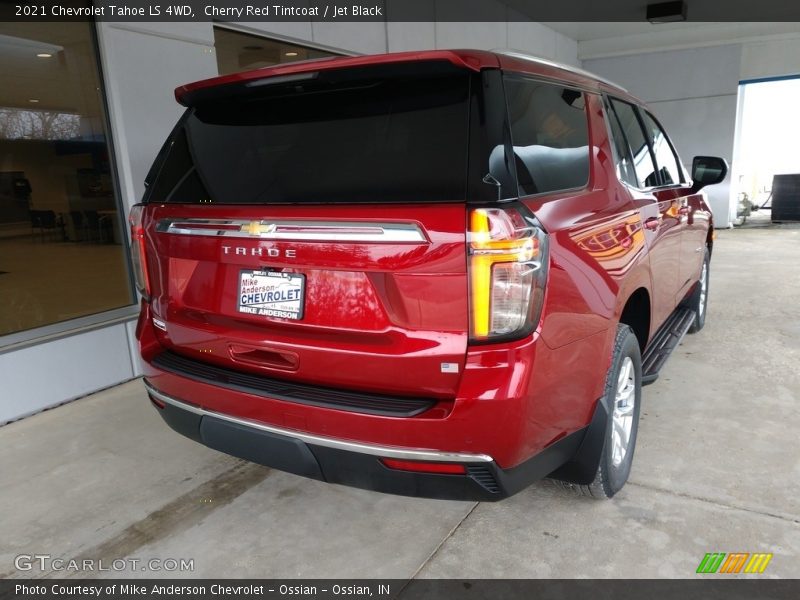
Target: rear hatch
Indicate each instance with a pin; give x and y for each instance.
(313, 229)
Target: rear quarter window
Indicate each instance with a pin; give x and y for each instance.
(550, 135)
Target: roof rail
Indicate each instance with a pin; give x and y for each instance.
(551, 63)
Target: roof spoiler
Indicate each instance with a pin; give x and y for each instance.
(190, 94)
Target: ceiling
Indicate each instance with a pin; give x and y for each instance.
(595, 31)
(602, 39)
(697, 11)
(616, 27)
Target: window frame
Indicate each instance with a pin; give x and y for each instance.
(585, 92)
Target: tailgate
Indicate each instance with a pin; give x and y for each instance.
(361, 297)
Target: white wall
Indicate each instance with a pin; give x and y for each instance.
(143, 63)
(770, 58)
(366, 38)
(693, 93)
(42, 376)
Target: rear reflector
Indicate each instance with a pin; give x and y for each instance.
(425, 467)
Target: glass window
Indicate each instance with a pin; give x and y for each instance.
(640, 150)
(550, 133)
(665, 158)
(622, 152)
(393, 134)
(61, 236)
(238, 51)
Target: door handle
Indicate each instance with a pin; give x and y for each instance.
(652, 223)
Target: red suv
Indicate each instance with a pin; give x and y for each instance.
(443, 273)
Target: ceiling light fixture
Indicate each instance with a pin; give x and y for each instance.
(44, 55)
(290, 54)
(666, 12)
(34, 100)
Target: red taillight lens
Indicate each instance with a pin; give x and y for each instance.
(507, 268)
(425, 467)
(138, 256)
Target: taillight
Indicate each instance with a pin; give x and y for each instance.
(507, 269)
(138, 257)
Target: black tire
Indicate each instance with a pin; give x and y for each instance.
(611, 477)
(698, 299)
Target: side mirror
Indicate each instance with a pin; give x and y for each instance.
(707, 170)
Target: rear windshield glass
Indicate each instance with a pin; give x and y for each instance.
(396, 138)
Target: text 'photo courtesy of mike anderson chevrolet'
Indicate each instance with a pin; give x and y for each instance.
(443, 273)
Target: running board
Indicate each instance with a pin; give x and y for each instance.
(664, 342)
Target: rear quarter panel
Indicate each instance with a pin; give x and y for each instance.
(598, 254)
(598, 257)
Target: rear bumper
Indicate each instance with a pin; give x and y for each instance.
(355, 463)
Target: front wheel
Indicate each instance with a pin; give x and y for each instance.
(623, 395)
(698, 299)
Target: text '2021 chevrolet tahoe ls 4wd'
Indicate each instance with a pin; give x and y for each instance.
(442, 273)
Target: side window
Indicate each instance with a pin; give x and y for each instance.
(550, 133)
(624, 160)
(640, 150)
(665, 157)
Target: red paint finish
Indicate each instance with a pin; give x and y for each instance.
(374, 310)
(384, 318)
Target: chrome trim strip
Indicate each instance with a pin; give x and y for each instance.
(372, 449)
(296, 230)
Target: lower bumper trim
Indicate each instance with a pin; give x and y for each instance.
(358, 464)
(363, 448)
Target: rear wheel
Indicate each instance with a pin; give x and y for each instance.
(698, 299)
(623, 394)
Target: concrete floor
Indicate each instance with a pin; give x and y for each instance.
(717, 469)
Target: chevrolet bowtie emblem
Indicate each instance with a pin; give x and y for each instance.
(258, 227)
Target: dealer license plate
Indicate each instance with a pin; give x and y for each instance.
(272, 294)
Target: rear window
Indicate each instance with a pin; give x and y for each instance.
(550, 133)
(401, 137)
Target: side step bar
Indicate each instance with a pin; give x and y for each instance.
(664, 342)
